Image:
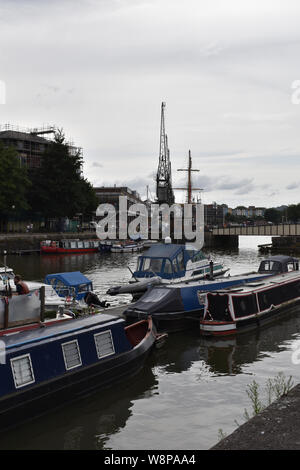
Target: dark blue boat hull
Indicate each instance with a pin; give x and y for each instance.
(40, 398)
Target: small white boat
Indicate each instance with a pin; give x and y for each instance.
(52, 300)
(126, 247)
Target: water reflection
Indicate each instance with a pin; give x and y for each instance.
(85, 424)
(191, 383)
(228, 356)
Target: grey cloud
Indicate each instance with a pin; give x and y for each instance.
(293, 186)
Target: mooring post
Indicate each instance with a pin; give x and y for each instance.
(6, 312)
(42, 299)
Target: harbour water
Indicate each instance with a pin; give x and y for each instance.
(188, 391)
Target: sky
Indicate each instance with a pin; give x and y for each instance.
(228, 71)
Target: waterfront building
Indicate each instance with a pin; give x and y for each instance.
(30, 144)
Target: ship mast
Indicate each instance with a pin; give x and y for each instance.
(189, 185)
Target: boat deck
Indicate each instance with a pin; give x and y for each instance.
(106, 317)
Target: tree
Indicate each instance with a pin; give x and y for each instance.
(58, 187)
(272, 215)
(13, 184)
(293, 212)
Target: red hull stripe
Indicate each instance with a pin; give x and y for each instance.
(49, 249)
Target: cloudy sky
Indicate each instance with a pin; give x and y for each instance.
(228, 70)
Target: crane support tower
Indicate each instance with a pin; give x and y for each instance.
(164, 191)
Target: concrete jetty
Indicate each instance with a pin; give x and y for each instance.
(275, 428)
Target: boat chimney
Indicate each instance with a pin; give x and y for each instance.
(211, 270)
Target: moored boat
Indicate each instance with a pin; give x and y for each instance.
(45, 367)
(69, 246)
(181, 305)
(165, 264)
(126, 247)
(237, 309)
(52, 300)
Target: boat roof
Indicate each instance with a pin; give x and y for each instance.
(281, 258)
(161, 250)
(257, 285)
(74, 278)
(64, 327)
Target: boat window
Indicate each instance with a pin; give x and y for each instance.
(198, 256)
(269, 265)
(244, 305)
(145, 265)
(71, 354)
(152, 264)
(168, 267)
(180, 261)
(86, 244)
(22, 370)
(7, 276)
(175, 267)
(104, 344)
(61, 288)
(83, 288)
(80, 244)
(73, 244)
(290, 267)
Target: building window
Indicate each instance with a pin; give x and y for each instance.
(22, 371)
(71, 354)
(104, 344)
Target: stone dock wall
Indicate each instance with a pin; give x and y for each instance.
(22, 242)
(275, 428)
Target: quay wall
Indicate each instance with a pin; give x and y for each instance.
(14, 243)
(277, 427)
(17, 242)
(290, 243)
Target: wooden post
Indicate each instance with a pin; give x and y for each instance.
(42, 299)
(6, 312)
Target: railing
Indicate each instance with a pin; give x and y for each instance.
(260, 230)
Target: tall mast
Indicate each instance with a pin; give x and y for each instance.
(189, 188)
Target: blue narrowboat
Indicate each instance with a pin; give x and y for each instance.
(73, 284)
(177, 306)
(46, 366)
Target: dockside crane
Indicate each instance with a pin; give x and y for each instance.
(164, 191)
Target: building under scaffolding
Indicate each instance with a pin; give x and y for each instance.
(31, 144)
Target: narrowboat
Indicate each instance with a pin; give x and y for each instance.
(179, 306)
(69, 246)
(168, 263)
(43, 366)
(253, 305)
